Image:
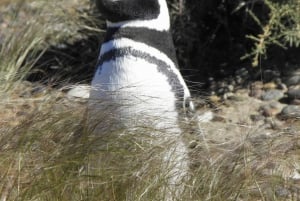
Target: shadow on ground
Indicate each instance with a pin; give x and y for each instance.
(70, 63)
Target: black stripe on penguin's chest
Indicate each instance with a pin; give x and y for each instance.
(160, 40)
(162, 66)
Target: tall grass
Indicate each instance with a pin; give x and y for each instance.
(48, 153)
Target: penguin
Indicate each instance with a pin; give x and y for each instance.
(138, 83)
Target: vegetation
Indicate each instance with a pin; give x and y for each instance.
(282, 28)
(214, 36)
(46, 150)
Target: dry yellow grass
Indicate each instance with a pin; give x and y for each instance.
(47, 153)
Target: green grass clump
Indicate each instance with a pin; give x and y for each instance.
(282, 28)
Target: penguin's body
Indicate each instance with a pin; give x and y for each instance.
(138, 78)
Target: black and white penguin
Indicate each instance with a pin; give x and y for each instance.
(138, 78)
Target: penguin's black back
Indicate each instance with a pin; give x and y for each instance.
(125, 10)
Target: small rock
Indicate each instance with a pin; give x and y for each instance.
(274, 123)
(256, 89)
(282, 192)
(271, 109)
(294, 93)
(230, 88)
(278, 81)
(273, 94)
(206, 117)
(294, 80)
(290, 111)
(256, 93)
(214, 99)
(228, 95)
(282, 87)
(269, 75)
(238, 79)
(295, 175)
(236, 97)
(80, 91)
(243, 72)
(219, 118)
(193, 144)
(221, 90)
(39, 91)
(232, 82)
(270, 85)
(257, 117)
(212, 84)
(295, 102)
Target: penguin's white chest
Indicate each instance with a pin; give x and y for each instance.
(136, 87)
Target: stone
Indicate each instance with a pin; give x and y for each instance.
(270, 75)
(243, 72)
(238, 79)
(257, 117)
(270, 85)
(294, 93)
(282, 87)
(273, 122)
(228, 95)
(273, 94)
(230, 88)
(214, 99)
(295, 102)
(293, 80)
(282, 192)
(39, 91)
(236, 97)
(271, 109)
(278, 81)
(79, 91)
(205, 117)
(193, 144)
(256, 89)
(290, 111)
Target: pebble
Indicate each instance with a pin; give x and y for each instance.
(293, 80)
(291, 111)
(271, 109)
(243, 72)
(238, 79)
(282, 192)
(256, 89)
(270, 75)
(206, 117)
(270, 85)
(295, 175)
(39, 91)
(235, 97)
(214, 99)
(230, 88)
(278, 81)
(228, 95)
(257, 117)
(79, 91)
(193, 144)
(295, 102)
(294, 93)
(274, 123)
(273, 94)
(282, 87)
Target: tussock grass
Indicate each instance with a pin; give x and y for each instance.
(47, 152)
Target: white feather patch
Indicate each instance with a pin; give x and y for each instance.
(124, 42)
